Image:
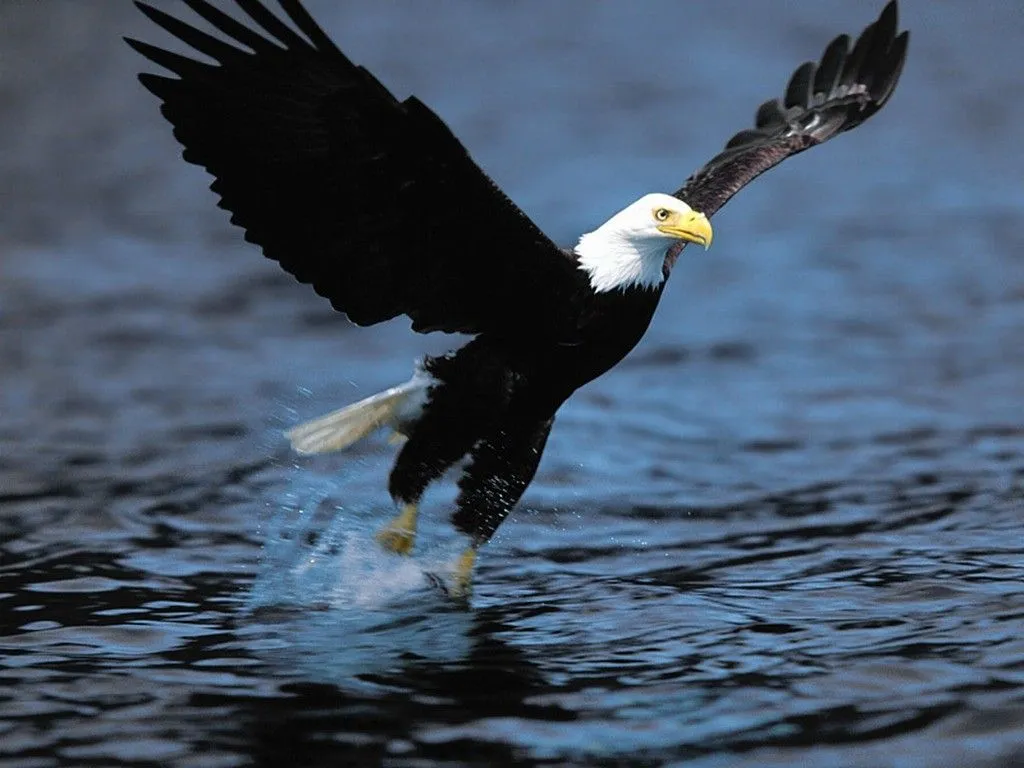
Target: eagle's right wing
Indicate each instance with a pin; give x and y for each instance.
(371, 200)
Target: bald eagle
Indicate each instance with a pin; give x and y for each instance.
(367, 199)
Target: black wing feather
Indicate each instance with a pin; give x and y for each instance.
(799, 88)
(211, 46)
(272, 25)
(839, 93)
(831, 65)
(372, 201)
(225, 23)
(308, 25)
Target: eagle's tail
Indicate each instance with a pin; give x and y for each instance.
(398, 408)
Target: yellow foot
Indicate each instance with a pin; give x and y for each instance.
(462, 579)
(397, 438)
(399, 535)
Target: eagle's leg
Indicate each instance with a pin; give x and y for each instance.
(462, 578)
(426, 455)
(468, 391)
(419, 463)
(503, 465)
(399, 535)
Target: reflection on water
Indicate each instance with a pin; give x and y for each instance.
(786, 531)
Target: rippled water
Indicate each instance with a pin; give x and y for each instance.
(786, 531)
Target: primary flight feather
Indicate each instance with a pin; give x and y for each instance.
(376, 204)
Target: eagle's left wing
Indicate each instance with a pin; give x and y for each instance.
(822, 100)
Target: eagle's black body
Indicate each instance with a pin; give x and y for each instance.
(497, 402)
(375, 203)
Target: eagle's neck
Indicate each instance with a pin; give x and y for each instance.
(618, 260)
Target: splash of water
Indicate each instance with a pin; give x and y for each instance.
(320, 552)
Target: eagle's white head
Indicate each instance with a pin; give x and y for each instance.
(628, 250)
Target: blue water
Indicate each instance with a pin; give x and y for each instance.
(786, 531)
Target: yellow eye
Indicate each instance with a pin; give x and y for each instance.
(662, 214)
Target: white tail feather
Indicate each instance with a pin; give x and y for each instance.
(397, 407)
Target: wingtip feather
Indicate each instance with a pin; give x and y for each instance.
(831, 65)
(894, 68)
(169, 61)
(308, 26)
(271, 24)
(889, 18)
(798, 91)
(216, 49)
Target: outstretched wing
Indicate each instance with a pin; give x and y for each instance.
(822, 100)
(371, 200)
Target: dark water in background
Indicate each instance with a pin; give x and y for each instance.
(787, 530)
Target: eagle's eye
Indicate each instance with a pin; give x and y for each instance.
(662, 214)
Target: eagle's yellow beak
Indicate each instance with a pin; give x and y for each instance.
(692, 226)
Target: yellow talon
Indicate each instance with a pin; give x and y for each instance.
(462, 578)
(399, 535)
(397, 438)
